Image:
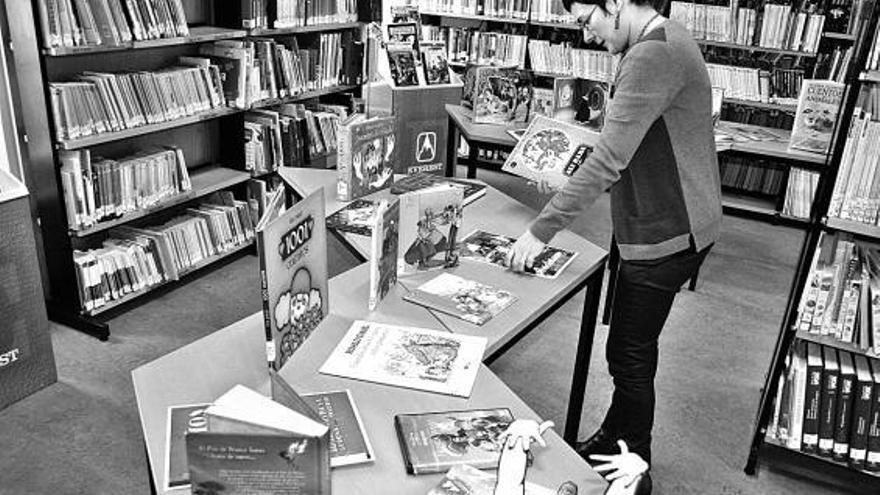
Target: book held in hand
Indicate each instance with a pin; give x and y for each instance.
(551, 150)
(348, 439)
(366, 156)
(817, 110)
(410, 357)
(486, 247)
(429, 222)
(383, 250)
(466, 299)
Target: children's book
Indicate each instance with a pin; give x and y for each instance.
(473, 189)
(817, 110)
(383, 250)
(366, 156)
(402, 63)
(182, 420)
(466, 299)
(565, 94)
(355, 218)
(486, 247)
(434, 442)
(417, 358)
(349, 443)
(405, 33)
(542, 102)
(501, 95)
(593, 97)
(551, 150)
(435, 63)
(429, 222)
(292, 245)
(468, 480)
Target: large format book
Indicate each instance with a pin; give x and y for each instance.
(182, 420)
(366, 156)
(817, 111)
(551, 150)
(842, 423)
(409, 357)
(255, 445)
(349, 443)
(473, 189)
(468, 480)
(434, 442)
(861, 415)
(501, 95)
(828, 402)
(469, 300)
(292, 245)
(402, 63)
(355, 218)
(812, 398)
(873, 458)
(383, 250)
(486, 247)
(429, 222)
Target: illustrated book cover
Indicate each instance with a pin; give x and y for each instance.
(468, 480)
(349, 443)
(816, 114)
(434, 442)
(402, 63)
(486, 247)
(473, 189)
(417, 358)
(182, 420)
(292, 245)
(434, 62)
(592, 100)
(429, 223)
(355, 218)
(366, 156)
(552, 150)
(469, 300)
(405, 33)
(542, 102)
(383, 250)
(502, 95)
(565, 94)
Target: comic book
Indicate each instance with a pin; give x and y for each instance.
(383, 250)
(816, 114)
(355, 218)
(468, 300)
(366, 156)
(429, 222)
(435, 63)
(542, 102)
(486, 247)
(405, 33)
(402, 63)
(501, 95)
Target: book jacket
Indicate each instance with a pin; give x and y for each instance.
(466, 299)
(429, 223)
(349, 443)
(816, 114)
(437, 441)
(292, 246)
(383, 250)
(182, 420)
(486, 247)
(366, 156)
(502, 95)
(402, 63)
(355, 218)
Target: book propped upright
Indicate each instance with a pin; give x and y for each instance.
(256, 445)
(367, 154)
(429, 223)
(383, 250)
(292, 245)
(817, 110)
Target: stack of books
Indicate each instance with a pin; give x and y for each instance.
(279, 14)
(562, 59)
(855, 196)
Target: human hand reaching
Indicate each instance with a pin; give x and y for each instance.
(623, 470)
(524, 251)
(513, 463)
(544, 186)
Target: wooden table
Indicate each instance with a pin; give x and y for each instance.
(488, 136)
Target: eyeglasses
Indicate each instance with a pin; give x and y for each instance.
(584, 21)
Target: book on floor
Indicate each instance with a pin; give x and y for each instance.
(383, 250)
(468, 300)
(355, 218)
(434, 442)
(486, 247)
(551, 150)
(182, 420)
(292, 246)
(468, 480)
(429, 223)
(349, 443)
(473, 189)
(816, 114)
(366, 156)
(501, 95)
(410, 357)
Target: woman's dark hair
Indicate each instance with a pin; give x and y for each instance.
(659, 5)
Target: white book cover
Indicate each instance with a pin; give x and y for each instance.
(408, 357)
(817, 110)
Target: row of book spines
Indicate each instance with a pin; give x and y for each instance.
(102, 189)
(513, 9)
(740, 174)
(280, 14)
(563, 59)
(828, 403)
(800, 192)
(70, 23)
(856, 194)
(290, 137)
(746, 83)
(470, 45)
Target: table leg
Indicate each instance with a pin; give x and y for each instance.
(451, 148)
(472, 161)
(692, 286)
(582, 359)
(613, 264)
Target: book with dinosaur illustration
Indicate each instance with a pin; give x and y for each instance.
(366, 156)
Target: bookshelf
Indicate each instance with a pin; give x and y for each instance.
(822, 223)
(210, 140)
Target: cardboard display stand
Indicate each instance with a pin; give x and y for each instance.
(26, 360)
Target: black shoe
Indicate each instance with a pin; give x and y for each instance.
(642, 486)
(600, 443)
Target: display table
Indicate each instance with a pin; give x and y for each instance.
(487, 136)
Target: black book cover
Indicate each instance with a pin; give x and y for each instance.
(873, 457)
(864, 389)
(811, 403)
(844, 407)
(827, 402)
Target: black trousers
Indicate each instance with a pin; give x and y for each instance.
(642, 299)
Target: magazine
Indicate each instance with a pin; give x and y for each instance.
(486, 247)
(551, 150)
(366, 156)
(383, 250)
(434, 442)
(501, 95)
(182, 420)
(468, 480)
(466, 299)
(349, 443)
(429, 222)
(402, 63)
(816, 114)
(417, 358)
(355, 218)
(435, 63)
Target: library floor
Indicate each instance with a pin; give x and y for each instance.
(82, 435)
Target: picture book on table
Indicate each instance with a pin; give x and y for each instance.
(434, 62)
(255, 444)
(349, 443)
(501, 95)
(355, 218)
(486, 247)
(816, 114)
(292, 245)
(429, 223)
(410, 357)
(468, 480)
(473, 189)
(366, 156)
(182, 420)
(551, 150)
(434, 442)
(402, 62)
(469, 300)
(383, 250)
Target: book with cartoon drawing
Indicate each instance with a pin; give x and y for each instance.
(292, 245)
(501, 95)
(429, 222)
(366, 156)
(466, 299)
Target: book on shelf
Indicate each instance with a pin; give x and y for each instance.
(515, 9)
(873, 61)
(469, 300)
(181, 420)
(355, 218)
(551, 150)
(843, 409)
(562, 59)
(812, 398)
(473, 189)
(260, 191)
(799, 192)
(816, 115)
(872, 459)
(543, 100)
(833, 65)
(742, 174)
(367, 154)
(828, 401)
(480, 47)
(501, 95)
(435, 442)
(409, 357)
(429, 223)
(465, 479)
(854, 196)
(349, 443)
(105, 189)
(257, 444)
(863, 393)
(282, 14)
(406, 13)
(385, 226)
(292, 246)
(486, 247)
(551, 11)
